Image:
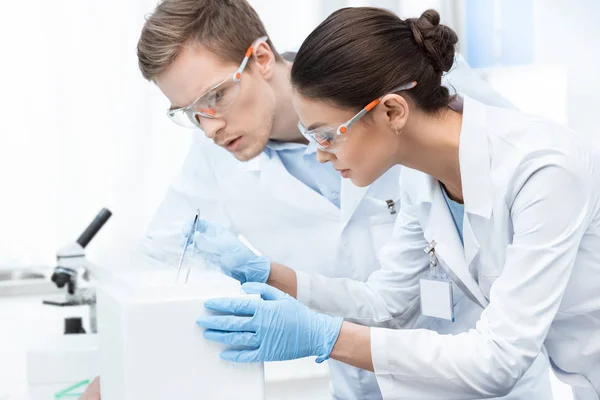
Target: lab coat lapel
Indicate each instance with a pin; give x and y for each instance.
(475, 165)
(286, 188)
(449, 249)
(470, 241)
(352, 195)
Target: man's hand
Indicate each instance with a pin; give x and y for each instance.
(92, 392)
(222, 248)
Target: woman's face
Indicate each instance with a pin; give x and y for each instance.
(366, 151)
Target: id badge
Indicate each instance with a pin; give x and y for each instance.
(436, 290)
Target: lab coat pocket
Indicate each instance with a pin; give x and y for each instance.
(381, 231)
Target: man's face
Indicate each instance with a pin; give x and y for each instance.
(245, 126)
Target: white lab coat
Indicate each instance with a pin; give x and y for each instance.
(531, 257)
(291, 224)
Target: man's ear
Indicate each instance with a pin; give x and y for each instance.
(264, 60)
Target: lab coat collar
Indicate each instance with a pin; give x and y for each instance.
(352, 196)
(275, 178)
(254, 164)
(474, 160)
(270, 168)
(257, 163)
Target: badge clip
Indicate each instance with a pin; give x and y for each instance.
(391, 206)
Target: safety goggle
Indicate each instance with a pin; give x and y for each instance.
(215, 101)
(325, 137)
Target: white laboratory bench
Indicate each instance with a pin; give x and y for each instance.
(25, 319)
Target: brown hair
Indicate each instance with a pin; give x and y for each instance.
(225, 27)
(358, 54)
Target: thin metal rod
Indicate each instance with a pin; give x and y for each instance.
(187, 241)
(194, 228)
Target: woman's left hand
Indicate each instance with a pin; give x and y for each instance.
(276, 327)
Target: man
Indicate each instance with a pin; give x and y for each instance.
(272, 191)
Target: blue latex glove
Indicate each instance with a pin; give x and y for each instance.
(220, 247)
(276, 328)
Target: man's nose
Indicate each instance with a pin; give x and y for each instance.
(212, 126)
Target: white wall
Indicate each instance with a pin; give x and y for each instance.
(568, 33)
(80, 129)
(289, 22)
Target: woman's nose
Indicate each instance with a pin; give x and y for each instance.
(324, 156)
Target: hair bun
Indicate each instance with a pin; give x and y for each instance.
(435, 40)
(431, 16)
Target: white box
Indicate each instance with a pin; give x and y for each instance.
(151, 348)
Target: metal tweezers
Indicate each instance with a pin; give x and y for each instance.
(191, 239)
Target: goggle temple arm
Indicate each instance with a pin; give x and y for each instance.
(344, 127)
(237, 76)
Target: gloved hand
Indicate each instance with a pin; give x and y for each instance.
(276, 328)
(220, 247)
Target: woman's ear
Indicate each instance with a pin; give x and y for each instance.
(264, 60)
(396, 111)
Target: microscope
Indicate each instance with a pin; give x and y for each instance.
(73, 272)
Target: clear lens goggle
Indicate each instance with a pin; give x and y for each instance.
(215, 101)
(326, 136)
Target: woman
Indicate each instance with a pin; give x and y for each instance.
(506, 204)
